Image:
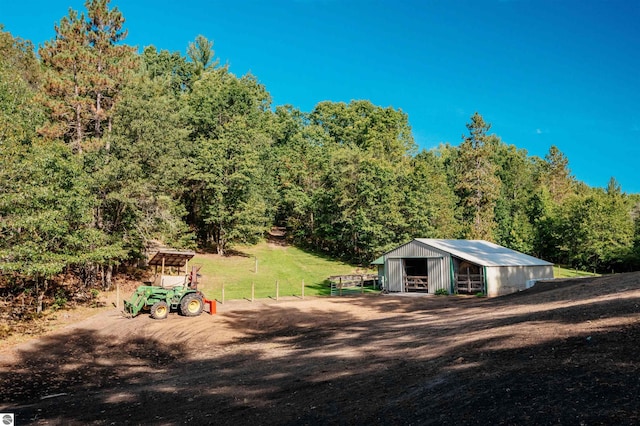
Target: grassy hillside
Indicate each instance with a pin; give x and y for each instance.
(560, 272)
(288, 266)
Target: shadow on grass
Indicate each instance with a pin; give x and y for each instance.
(227, 253)
(322, 288)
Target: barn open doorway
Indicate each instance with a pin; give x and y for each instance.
(415, 275)
(469, 277)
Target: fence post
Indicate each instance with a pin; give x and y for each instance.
(253, 290)
(340, 288)
(302, 289)
(361, 284)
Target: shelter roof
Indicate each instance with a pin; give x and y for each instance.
(171, 257)
(483, 253)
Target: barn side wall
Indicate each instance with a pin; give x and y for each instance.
(438, 266)
(510, 279)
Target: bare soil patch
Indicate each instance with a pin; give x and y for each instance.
(563, 352)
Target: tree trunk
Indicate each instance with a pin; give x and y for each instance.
(90, 272)
(78, 122)
(98, 129)
(41, 296)
(108, 276)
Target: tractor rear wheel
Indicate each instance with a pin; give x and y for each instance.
(159, 310)
(191, 305)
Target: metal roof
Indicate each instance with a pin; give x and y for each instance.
(171, 258)
(483, 253)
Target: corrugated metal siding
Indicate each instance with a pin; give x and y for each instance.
(415, 249)
(438, 266)
(509, 279)
(395, 272)
(439, 275)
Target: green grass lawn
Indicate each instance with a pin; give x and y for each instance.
(287, 266)
(559, 272)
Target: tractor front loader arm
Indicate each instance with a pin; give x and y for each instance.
(137, 302)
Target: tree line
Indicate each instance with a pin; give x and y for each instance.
(105, 150)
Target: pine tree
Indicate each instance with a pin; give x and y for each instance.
(110, 61)
(201, 54)
(66, 84)
(477, 185)
(85, 70)
(557, 176)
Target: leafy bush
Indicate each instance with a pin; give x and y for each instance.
(60, 300)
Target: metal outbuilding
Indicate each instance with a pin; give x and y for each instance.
(459, 266)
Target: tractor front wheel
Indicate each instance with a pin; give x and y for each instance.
(159, 310)
(191, 305)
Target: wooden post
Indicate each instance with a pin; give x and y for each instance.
(361, 284)
(222, 294)
(253, 291)
(162, 265)
(303, 289)
(340, 287)
(277, 290)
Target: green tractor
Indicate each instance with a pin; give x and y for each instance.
(174, 292)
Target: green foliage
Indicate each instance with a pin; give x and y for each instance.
(595, 230)
(555, 175)
(185, 153)
(60, 301)
(477, 184)
(430, 203)
(342, 174)
(20, 113)
(441, 292)
(86, 67)
(140, 178)
(169, 66)
(47, 214)
(229, 183)
(201, 54)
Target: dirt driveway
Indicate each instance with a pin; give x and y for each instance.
(560, 353)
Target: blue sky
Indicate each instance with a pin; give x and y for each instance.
(542, 72)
